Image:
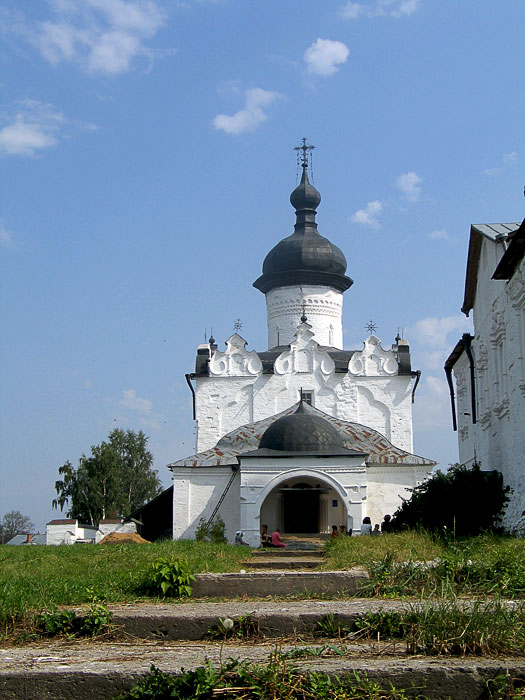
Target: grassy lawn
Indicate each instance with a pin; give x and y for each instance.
(32, 578)
(37, 577)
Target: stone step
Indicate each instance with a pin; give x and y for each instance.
(275, 552)
(279, 563)
(101, 671)
(192, 621)
(259, 584)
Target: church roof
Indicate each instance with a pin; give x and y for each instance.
(302, 431)
(305, 257)
(357, 438)
(478, 232)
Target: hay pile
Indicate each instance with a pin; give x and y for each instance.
(123, 538)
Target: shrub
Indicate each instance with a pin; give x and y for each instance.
(169, 578)
(213, 532)
(462, 501)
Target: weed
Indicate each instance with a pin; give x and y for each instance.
(242, 627)
(272, 680)
(503, 687)
(90, 622)
(169, 578)
(328, 627)
(211, 532)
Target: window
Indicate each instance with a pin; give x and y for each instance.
(307, 397)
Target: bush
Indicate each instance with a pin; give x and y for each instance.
(169, 578)
(215, 532)
(462, 501)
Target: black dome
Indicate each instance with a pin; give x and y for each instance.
(301, 432)
(305, 257)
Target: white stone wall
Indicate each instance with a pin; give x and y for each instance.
(388, 486)
(252, 500)
(371, 392)
(61, 533)
(323, 307)
(497, 440)
(196, 492)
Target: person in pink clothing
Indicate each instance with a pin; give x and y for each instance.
(276, 539)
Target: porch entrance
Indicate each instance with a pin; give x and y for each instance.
(301, 509)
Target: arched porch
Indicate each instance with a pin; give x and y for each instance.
(303, 504)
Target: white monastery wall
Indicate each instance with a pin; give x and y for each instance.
(497, 440)
(238, 392)
(323, 306)
(195, 495)
(388, 486)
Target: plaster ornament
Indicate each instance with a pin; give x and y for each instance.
(304, 355)
(235, 361)
(373, 360)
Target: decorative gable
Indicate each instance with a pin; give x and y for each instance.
(235, 361)
(304, 355)
(373, 360)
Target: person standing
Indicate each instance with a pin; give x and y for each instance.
(366, 527)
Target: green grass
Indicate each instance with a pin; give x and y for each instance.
(37, 577)
(413, 564)
(275, 679)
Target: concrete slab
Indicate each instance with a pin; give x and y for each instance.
(100, 671)
(261, 583)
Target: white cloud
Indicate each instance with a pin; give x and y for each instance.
(409, 186)
(508, 160)
(101, 35)
(325, 56)
(432, 338)
(370, 215)
(6, 237)
(135, 403)
(440, 234)
(251, 116)
(34, 127)
(381, 8)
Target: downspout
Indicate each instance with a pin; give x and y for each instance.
(417, 375)
(448, 374)
(467, 342)
(189, 377)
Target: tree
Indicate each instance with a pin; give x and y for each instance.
(14, 523)
(113, 481)
(464, 500)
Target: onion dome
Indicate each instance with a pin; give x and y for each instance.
(302, 431)
(305, 257)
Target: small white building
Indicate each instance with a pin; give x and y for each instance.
(70, 531)
(357, 405)
(489, 367)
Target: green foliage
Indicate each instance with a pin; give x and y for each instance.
(272, 680)
(114, 480)
(38, 577)
(90, 622)
(169, 578)
(242, 627)
(441, 627)
(215, 532)
(462, 501)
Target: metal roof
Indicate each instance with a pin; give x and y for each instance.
(494, 233)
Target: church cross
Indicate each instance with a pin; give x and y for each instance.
(304, 147)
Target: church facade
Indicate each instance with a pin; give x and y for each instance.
(305, 434)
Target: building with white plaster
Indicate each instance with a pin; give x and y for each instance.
(353, 406)
(488, 400)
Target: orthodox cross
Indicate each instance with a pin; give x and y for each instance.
(371, 326)
(306, 156)
(237, 325)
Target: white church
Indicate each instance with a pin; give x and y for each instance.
(304, 435)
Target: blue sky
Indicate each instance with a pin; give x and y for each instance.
(147, 159)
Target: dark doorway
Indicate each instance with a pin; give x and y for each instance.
(301, 509)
